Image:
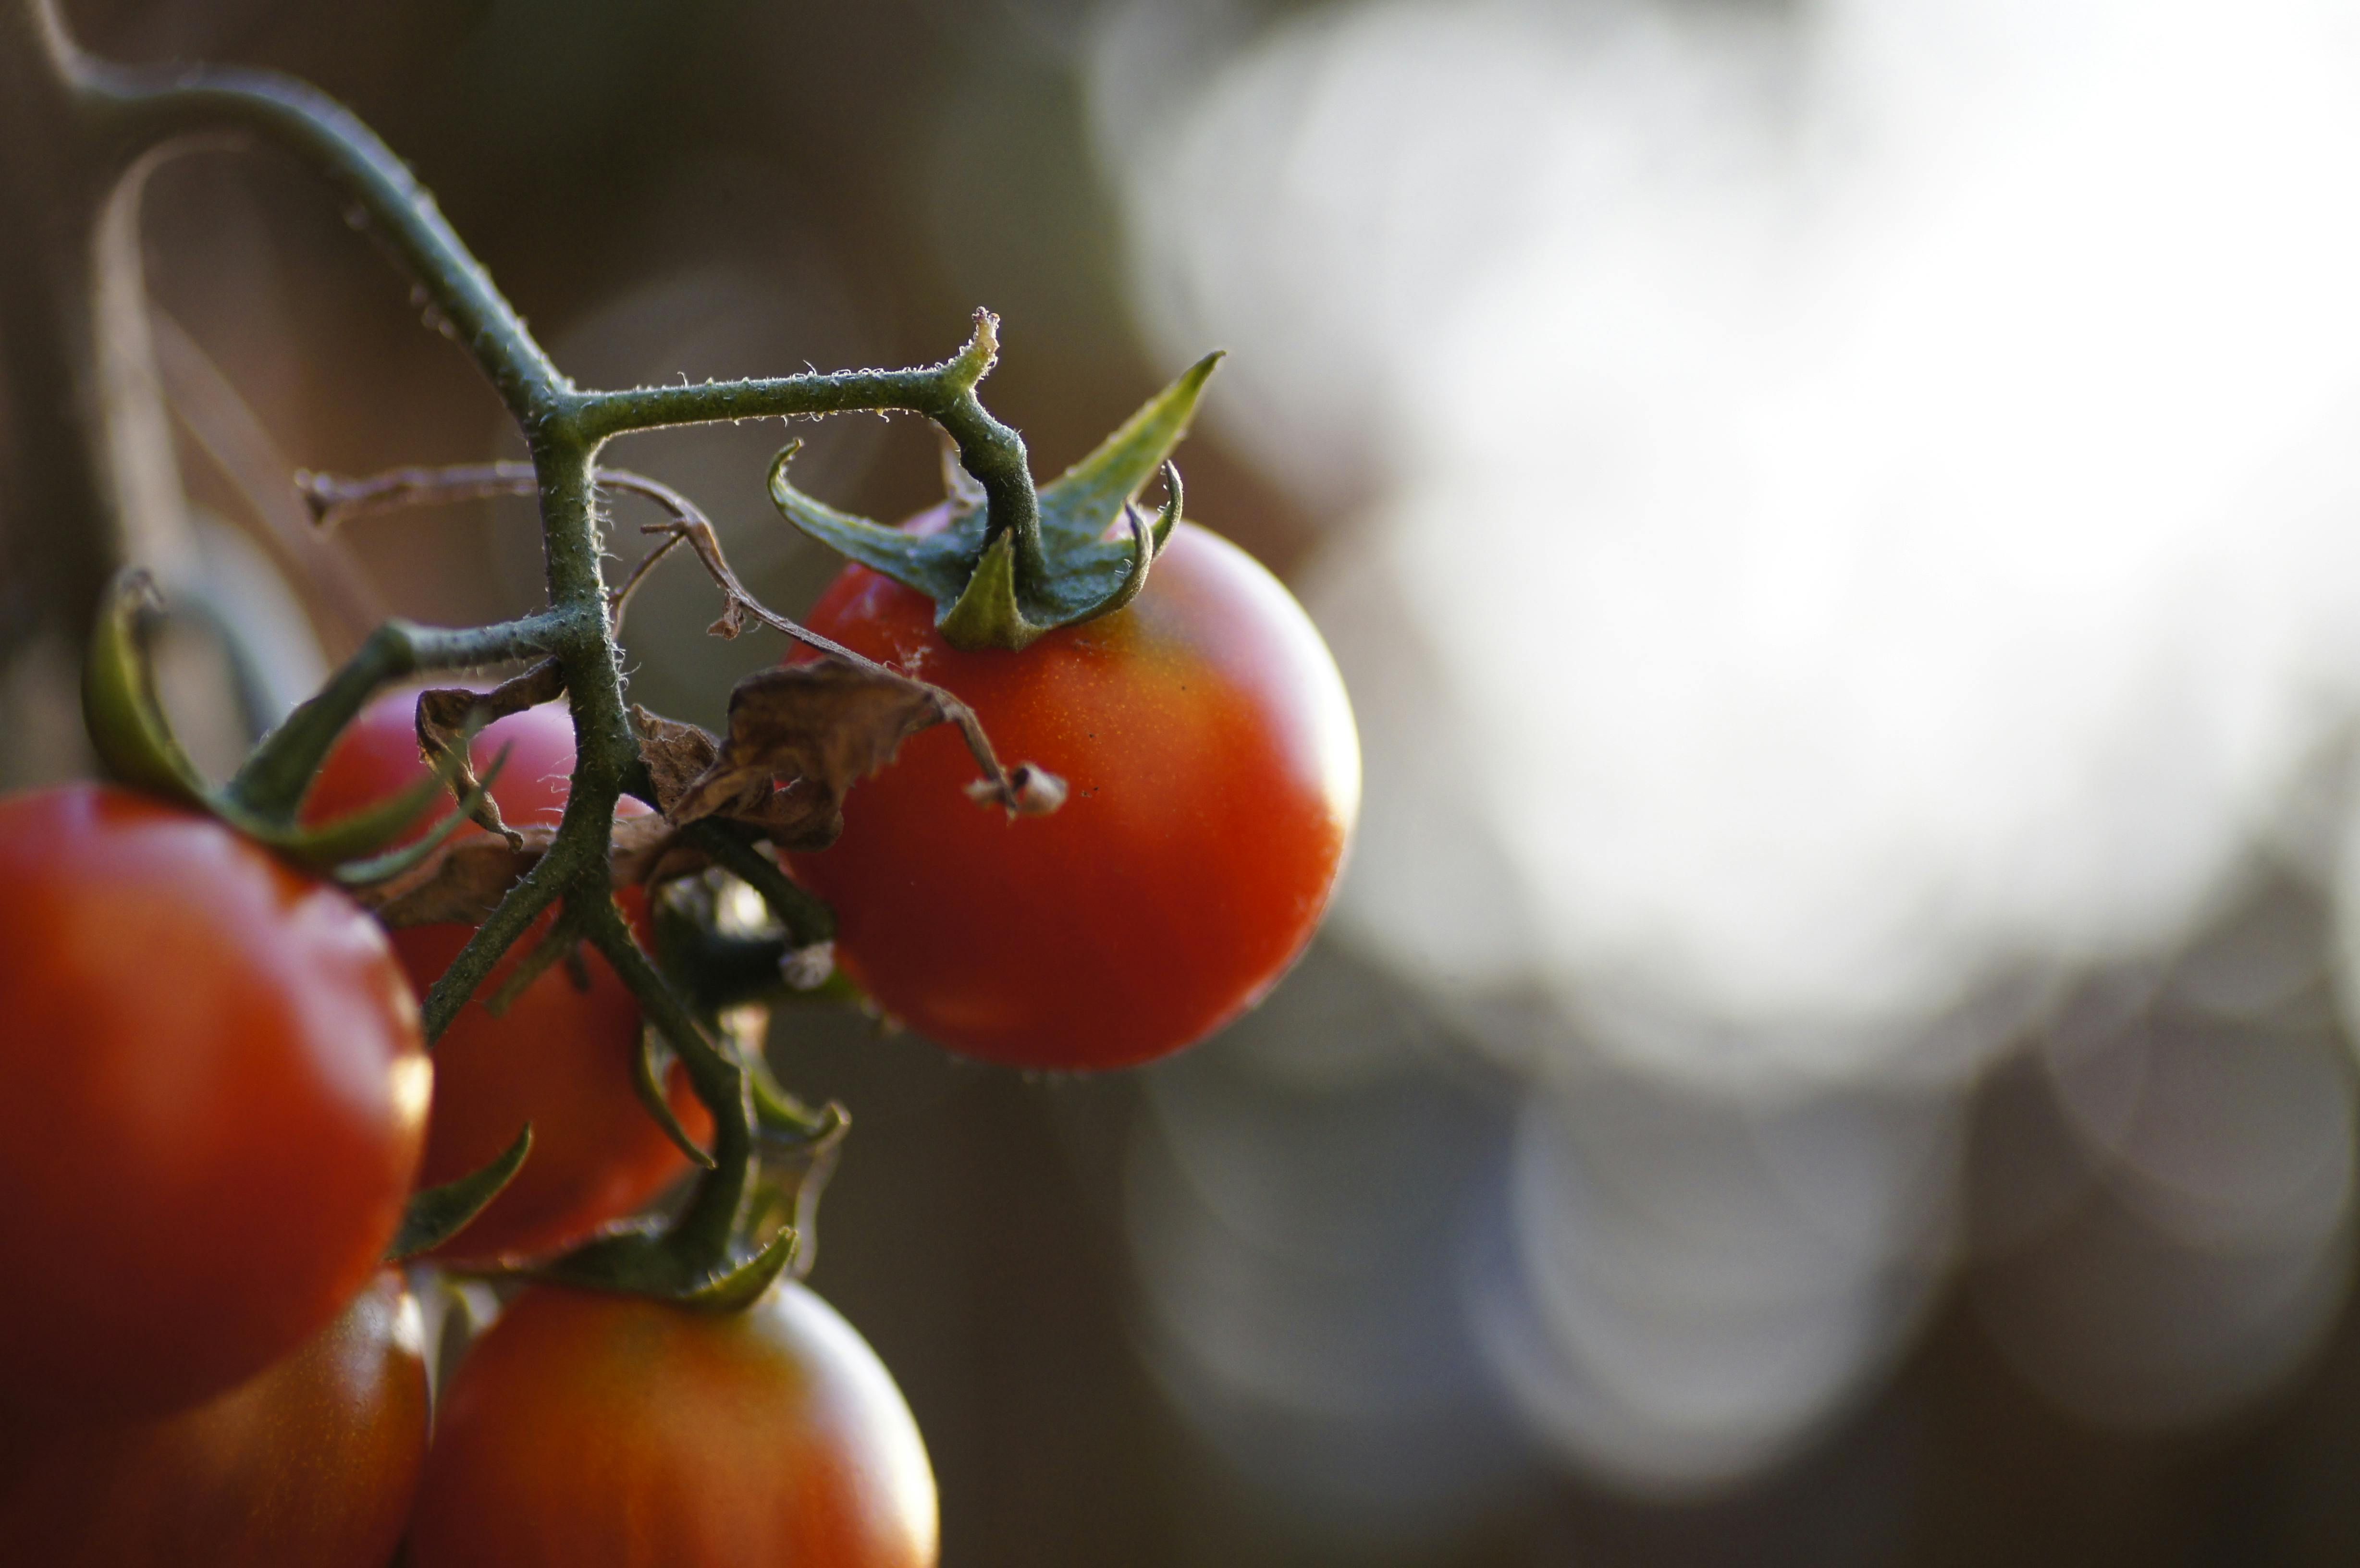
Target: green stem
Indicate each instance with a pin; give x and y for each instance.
(129, 115)
(945, 393)
(805, 916)
(143, 107)
(272, 781)
(705, 1231)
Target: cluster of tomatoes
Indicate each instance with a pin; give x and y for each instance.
(217, 1104)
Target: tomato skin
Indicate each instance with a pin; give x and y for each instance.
(589, 1431)
(311, 1463)
(561, 1056)
(216, 1097)
(1214, 770)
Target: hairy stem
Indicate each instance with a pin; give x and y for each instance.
(128, 118)
(706, 1229)
(275, 776)
(945, 393)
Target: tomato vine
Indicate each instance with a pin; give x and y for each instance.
(124, 118)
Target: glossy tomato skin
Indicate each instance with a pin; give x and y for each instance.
(561, 1054)
(311, 1463)
(216, 1098)
(589, 1431)
(1214, 771)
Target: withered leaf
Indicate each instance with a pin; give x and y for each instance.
(465, 879)
(676, 754)
(816, 729)
(447, 714)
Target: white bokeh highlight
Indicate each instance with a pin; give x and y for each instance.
(1849, 547)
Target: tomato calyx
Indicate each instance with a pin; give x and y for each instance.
(1007, 567)
(136, 744)
(773, 1231)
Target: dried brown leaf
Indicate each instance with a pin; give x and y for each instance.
(800, 735)
(447, 714)
(463, 881)
(676, 754)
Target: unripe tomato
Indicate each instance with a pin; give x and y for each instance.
(590, 1430)
(561, 1055)
(1214, 771)
(309, 1464)
(216, 1099)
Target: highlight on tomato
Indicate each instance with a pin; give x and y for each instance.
(1213, 771)
(216, 1101)
(560, 1055)
(310, 1463)
(595, 1431)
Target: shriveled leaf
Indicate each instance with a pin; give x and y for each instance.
(647, 849)
(463, 881)
(801, 736)
(448, 716)
(676, 754)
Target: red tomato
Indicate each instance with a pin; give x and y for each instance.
(561, 1056)
(311, 1464)
(1214, 772)
(589, 1431)
(215, 1102)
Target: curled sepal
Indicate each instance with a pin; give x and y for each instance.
(647, 1077)
(785, 1121)
(127, 724)
(936, 564)
(633, 1259)
(989, 589)
(735, 1290)
(798, 1155)
(437, 1214)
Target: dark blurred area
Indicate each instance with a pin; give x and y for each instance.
(1246, 1308)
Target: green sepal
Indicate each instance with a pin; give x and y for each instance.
(134, 743)
(632, 1259)
(437, 1214)
(1081, 503)
(741, 1286)
(985, 592)
(781, 1118)
(119, 708)
(646, 1079)
(937, 565)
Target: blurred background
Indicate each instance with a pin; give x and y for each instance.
(1841, 522)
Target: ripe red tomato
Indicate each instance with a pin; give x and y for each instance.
(215, 1098)
(1214, 770)
(312, 1464)
(590, 1430)
(561, 1056)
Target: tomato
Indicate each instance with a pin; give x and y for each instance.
(561, 1056)
(216, 1101)
(590, 1430)
(311, 1463)
(1214, 771)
